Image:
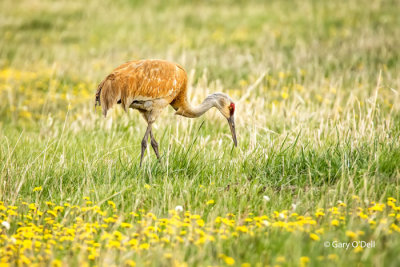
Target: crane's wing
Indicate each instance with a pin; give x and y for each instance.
(141, 80)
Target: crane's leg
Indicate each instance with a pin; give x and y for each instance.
(144, 142)
(154, 144)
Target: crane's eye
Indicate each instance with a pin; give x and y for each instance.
(232, 108)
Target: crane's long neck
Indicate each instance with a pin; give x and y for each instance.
(187, 110)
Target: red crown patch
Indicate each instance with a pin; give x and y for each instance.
(232, 108)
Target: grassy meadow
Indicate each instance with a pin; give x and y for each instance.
(316, 86)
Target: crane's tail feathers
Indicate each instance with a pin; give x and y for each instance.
(98, 92)
(107, 94)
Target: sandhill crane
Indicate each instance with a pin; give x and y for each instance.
(151, 85)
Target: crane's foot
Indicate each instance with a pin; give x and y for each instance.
(154, 144)
(144, 146)
(155, 148)
(144, 143)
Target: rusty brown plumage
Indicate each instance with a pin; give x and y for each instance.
(142, 80)
(151, 85)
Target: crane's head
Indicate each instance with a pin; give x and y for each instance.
(227, 108)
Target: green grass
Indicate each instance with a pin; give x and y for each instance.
(316, 85)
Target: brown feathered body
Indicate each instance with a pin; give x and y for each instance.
(147, 85)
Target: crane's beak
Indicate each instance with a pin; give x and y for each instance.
(231, 122)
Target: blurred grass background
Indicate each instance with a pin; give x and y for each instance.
(316, 85)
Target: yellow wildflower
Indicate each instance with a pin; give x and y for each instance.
(130, 263)
(377, 207)
(228, 260)
(314, 237)
(284, 95)
(200, 222)
(126, 225)
(168, 255)
(111, 203)
(144, 246)
(114, 244)
(335, 222)
(304, 260)
(351, 234)
(280, 259)
(211, 201)
(333, 257)
(37, 189)
(56, 263)
(242, 229)
(133, 242)
(358, 249)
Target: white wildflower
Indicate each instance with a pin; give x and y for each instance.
(266, 223)
(6, 224)
(178, 208)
